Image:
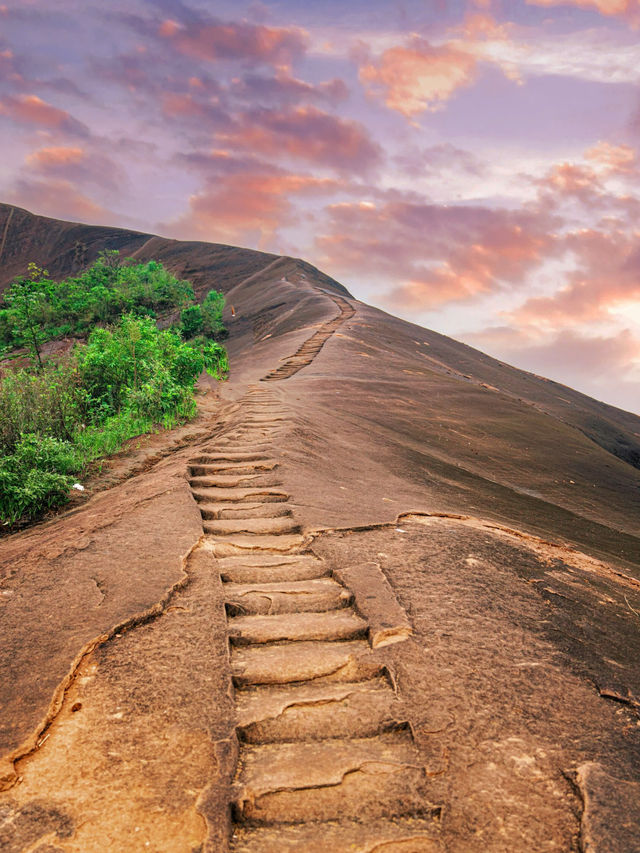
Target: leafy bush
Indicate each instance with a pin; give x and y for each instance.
(205, 319)
(216, 360)
(36, 476)
(38, 309)
(57, 419)
(50, 402)
(192, 321)
(135, 366)
(212, 307)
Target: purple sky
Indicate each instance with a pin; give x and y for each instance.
(471, 166)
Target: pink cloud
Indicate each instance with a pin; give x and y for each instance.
(567, 180)
(53, 157)
(213, 40)
(283, 88)
(306, 133)
(437, 253)
(614, 159)
(418, 76)
(628, 9)
(32, 110)
(607, 274)
(57, 198)
(182, 105)
(584, 188)
(242, 200)
(75, 164)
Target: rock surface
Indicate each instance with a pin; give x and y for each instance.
(195, 658)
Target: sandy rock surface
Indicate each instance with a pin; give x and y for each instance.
(386, 599)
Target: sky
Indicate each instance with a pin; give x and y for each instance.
(472, 166)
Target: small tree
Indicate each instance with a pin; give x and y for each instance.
(26, 298)
(192, 321)
(110, 259)
(212, 306)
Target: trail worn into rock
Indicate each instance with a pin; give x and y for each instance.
(323, 748)
(311, 347)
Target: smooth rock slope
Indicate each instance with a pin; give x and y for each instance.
(383, 595)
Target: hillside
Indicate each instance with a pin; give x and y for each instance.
(471, 535)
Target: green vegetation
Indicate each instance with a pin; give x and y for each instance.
(123, 376)
(39, 309)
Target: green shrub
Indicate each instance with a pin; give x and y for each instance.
(192, 321)
(38, 309)
(56, 418)
(212, 307)
(36, 476)
(137, 367)
(216, 360)
(50, 402)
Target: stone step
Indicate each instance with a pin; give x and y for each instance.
(247, 431)
(296, 627)
(214, 494)
(243, 543)
(285, 597)
(206, 468)
(244, 510)
(287, 663)
(271, 568)
(229, 481)
(394, 835)
(230, 456)
(227, 445)
(315, 711)
(274, 526)
(330, 780)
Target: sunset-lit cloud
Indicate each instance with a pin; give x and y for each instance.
(614, 159)
(74, 164)
(438, 253)
(57, 198)
(305, 133)
(418, 76)
(211, 40)
(628, 9)
(602, 183)
(607, 273)
(242, 198)
(283, 88)
(32, 110)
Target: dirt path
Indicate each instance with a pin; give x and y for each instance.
(325, 761)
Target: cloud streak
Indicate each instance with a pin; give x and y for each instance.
(31, 110)
(306, 133)
(439, 253)
(242, 198)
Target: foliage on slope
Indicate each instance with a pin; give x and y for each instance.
(123, 376)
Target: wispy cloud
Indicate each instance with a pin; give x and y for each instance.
(242, 199)
(34, 111)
